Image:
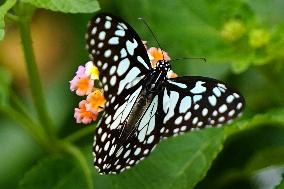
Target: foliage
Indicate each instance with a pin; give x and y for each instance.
(243, 42)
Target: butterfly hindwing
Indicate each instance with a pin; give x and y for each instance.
(118, 52)
(117, 150)
(195, 102)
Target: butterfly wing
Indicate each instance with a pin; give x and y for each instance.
(118, 52)
(122, 60)
(114, 155)
(194, 102)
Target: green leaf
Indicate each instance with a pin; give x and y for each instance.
(67, 6)
(5, 82)
(54, 173)
(260, 145)
(177, 163)
(3, 10)
(265, 158)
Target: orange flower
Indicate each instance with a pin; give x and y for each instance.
(156, 54)
(95, 101)
(82, 115)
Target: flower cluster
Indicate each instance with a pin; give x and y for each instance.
(84, 85)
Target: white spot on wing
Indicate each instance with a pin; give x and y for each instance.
(187, 116)
(204, 111)
(150, 139)
(185, 104)
(166, 101)
(131, 46)
(98, 20)
(217, 91)
(239, 106)
(140, 59)
(178, 120)
(123, 53)
(212, 100)
(123, 66)
(107, 24)
(198, 88)
(94, 31)
(223, 108)
(174, 96)
(119, 33)
(112, 70)
(137, 151)
(113, 41)
(107, 53)
(196, 98)
(230, 99)
(102, 35)
(113, 80)
(181, 85)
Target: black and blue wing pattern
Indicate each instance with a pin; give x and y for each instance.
(122, 60)
(136, 118)
(194, 102)
(118, 52)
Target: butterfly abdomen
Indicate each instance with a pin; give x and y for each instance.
(139, 108)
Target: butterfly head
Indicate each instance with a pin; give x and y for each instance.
(163, 66)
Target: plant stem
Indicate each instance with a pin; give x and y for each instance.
(77, 154)
(33, 74)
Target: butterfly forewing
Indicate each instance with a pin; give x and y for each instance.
(123, 63)
(195, 102)
(118, 52)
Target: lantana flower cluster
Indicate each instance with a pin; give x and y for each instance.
(85, 84)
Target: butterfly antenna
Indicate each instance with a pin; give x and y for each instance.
(187, 58)
(146, 24)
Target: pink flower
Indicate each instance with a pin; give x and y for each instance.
(82, 85)
(82, 115)
(81, 71)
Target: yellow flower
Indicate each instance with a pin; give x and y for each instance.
(258, 38)
(92, 70)
(233, 30)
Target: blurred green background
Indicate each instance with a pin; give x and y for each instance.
(243, 41)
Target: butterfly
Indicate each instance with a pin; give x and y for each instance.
(144, 106)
